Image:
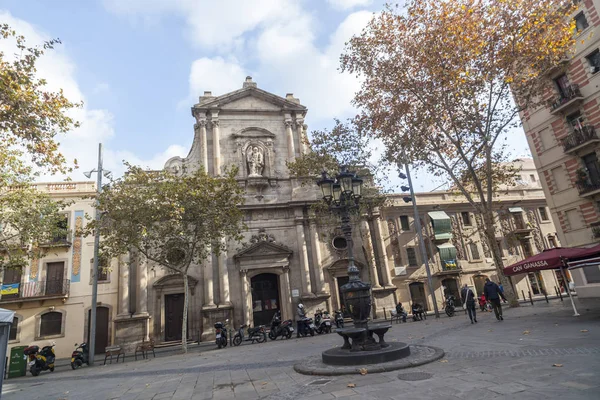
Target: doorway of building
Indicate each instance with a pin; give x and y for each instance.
(102, 321)
(451, 286)
(417, 294)
(55, 272)
(559, 277)
(479, 281)
(173, 317)
(265, 298)
(537, 283)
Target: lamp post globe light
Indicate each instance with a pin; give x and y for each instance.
(343, 195)
(100, 172)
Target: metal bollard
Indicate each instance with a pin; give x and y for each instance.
(560, 294)
(524, 297)
(530, 298)
(385, 315)
(545, 295)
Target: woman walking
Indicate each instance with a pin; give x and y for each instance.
(468, 298)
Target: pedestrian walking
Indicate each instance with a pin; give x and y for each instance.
(468, 298)
(493, 293)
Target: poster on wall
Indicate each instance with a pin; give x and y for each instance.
(273, 304)
(257, 306)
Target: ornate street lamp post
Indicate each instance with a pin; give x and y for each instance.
(343, 195)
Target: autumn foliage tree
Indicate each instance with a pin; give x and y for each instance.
(438, 80)
(173, 221)
(30, 119)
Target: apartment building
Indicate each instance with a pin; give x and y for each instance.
(565, 144)
(52, 296)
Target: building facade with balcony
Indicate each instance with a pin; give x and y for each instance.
(51, 297)
(457, 252)
(565, 143)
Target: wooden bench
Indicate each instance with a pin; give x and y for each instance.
(144, 348)
(113, 351)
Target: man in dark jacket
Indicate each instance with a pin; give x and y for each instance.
(493, 293)
(468, 298)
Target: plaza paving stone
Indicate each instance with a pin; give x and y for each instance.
(510, 359)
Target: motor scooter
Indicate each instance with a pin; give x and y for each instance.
(339, 319)
(221, 334)
(40, 360)
(254, 334)
(306, 327)
(278, 328)
(80, 355)
(322, 322)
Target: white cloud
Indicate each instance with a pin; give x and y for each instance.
(97, 125)
(348, 4)
(212, 24)
(215, 75)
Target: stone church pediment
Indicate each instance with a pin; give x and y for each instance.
(264, 249)
(251, 98)
(174, 280)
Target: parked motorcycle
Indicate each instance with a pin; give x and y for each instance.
(254, 334)
(221, 334)
(339, 319)
(322, 322)
(80, 355)
(450, 308)
(278, 328)
(307, 327)
(40, 360)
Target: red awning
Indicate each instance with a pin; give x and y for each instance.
(551, 259)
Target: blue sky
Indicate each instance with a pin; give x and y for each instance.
(139, 65)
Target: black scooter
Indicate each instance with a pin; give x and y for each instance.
(306, 327)
(254, 334)
(80, 355)
(40, 360)
(339, 319)
(220, 335)
(322, 322)
(278, 328)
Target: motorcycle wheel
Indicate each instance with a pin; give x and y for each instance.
(319, 330)
(272, 335)
(52, 369)
(312, 332)
(262, 338)
(224, 342)
(35, 371)
(449, 312)
(288, 334)
(328, 329)
(219, 344)
(237, 340)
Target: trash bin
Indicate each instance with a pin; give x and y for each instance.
(17, 364)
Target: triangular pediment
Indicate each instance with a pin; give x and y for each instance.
(250, 98)
(264, 249)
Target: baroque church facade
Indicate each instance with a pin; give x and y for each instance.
(286, 257)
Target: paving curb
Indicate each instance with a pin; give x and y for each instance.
(420, 355)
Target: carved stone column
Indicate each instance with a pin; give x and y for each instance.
(245, 296)
(142, 281)
(383, 260)
(303, 255)
(224, 295)
(290, 139)
(316, 258)
(216, 146)
(364, 225)
(209, 300)
(203, 144)
(300, 133)
(124, 285)
(287, 312)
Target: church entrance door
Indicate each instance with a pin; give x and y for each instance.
(173, 317)
(265, 298)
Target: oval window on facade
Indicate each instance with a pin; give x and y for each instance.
(339, 243)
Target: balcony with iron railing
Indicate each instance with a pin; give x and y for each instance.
(595, 230)
(448, 268)
(570, 96)
(31, 291)
(580, 138)
(588, 187)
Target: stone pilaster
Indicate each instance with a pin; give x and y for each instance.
(224, 294)
(209, 299)
(203, 144)
(290, 139)
(380, 243)
(246, 297)
(303, 255)
(216, 145)
(124, 286)
(316, 258)
(142, 281)
(300, 133)
(370, 256)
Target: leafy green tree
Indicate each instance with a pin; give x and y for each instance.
(172, 220)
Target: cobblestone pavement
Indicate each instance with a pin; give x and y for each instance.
(510, 359)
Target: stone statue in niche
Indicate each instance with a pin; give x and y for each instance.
(255, 159)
